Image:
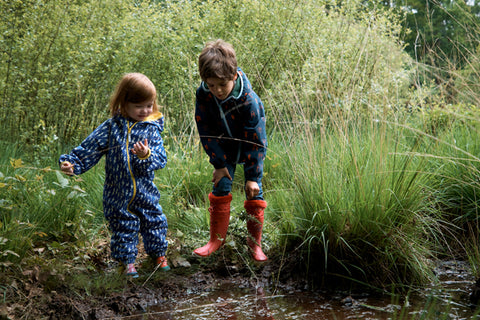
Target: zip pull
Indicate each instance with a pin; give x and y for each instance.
(129, 135)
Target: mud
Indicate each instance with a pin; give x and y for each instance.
(40, 293)
(43, 294)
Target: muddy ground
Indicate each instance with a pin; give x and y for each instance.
(53, 287)
(42, 293)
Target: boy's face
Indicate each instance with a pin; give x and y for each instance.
(221, 88)
(139, 111)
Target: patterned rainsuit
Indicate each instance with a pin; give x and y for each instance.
(130, 197)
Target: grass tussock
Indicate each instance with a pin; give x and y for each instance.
(355, 204)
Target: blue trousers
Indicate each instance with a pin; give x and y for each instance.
(224, 186)
(125, 227)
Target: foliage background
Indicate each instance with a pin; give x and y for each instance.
(372, 164)
(63, 58)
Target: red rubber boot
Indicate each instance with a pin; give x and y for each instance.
(255, 210)
(219, 220)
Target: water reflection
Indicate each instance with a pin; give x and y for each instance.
(225, 302)
(447, 299)
(256, 306)
(231, 302)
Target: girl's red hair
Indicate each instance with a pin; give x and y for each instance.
(133, 87)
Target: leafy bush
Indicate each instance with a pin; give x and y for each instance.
(64, 57)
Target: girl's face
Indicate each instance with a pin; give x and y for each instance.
(139, 111)
(220, 88)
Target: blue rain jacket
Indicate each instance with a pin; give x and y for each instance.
(233, 130)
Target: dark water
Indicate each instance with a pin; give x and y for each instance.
(446, 299)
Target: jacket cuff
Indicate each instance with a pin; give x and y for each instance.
(146, 156)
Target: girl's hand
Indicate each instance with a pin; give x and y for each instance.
(218, 174)
(141, 149)
(251, 189)
(67, 168)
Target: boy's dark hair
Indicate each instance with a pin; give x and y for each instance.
(217, 60)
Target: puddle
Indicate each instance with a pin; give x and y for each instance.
(447, 299)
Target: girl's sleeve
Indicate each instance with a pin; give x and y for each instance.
(157, 159)
(209, 137)
(89, 152)
(255, 145)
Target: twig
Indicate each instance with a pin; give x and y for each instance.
(151, 274)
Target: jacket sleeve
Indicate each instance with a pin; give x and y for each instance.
(255, 144)
(158, 156)
(89, 152)
(209, 136)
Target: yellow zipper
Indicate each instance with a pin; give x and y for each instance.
(129, 167)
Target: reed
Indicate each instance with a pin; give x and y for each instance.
(351, 200)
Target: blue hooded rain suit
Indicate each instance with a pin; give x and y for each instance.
(130, 197)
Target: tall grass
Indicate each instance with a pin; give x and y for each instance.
(458, 155)
(456, 182)
(352, 201)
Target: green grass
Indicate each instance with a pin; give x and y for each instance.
(352, 201)
(39, 204)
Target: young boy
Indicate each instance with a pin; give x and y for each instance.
(231, 122)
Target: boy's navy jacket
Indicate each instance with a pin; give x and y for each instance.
(128, 179)
(233, 130)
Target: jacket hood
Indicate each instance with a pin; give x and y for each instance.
(154, 119)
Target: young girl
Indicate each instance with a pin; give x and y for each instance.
(132, 144)
(231, 122)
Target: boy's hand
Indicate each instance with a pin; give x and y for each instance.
(251, 189)
(141, 149)
(67, 168)
(218, 174)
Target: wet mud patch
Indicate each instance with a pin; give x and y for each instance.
(212, 288)
(42, 294)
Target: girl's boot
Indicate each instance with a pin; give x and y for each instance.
(219, 220)
(255, 210)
